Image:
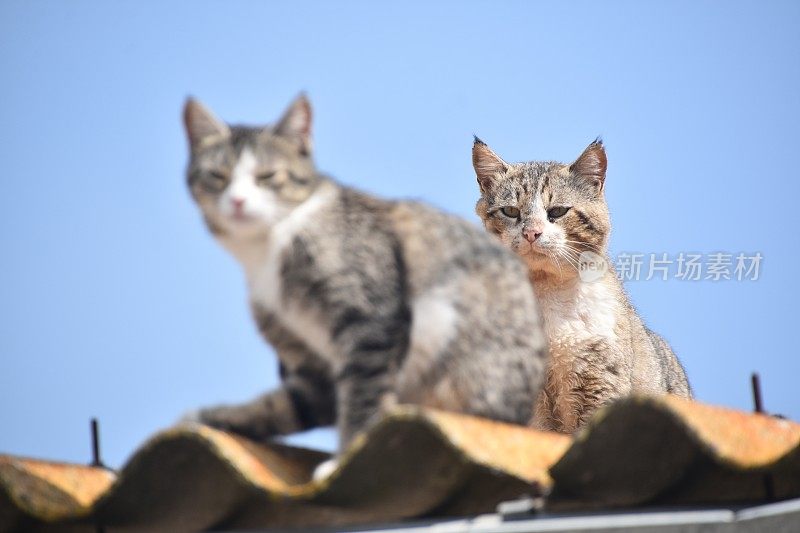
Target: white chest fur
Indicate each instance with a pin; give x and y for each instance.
(261, 261)
(577, 311)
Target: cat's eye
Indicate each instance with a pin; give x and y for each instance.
(264, 177)
(216, 180)
(510, 212)
(557, 212)
(302, 180)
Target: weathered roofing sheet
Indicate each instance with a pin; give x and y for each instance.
(416, 463)
(667, 449)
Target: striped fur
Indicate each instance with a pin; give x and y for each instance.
(599, 346)
(367, 302)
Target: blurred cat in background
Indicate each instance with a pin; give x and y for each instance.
(555, 217)
(367, 302)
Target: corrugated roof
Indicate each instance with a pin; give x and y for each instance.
(417, 463)
(781, 517)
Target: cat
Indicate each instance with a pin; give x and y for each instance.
(550, 213)
(367, 302)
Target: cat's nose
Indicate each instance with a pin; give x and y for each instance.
(531, 234)
(238, 204)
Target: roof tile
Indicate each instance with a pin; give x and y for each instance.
(417, 463)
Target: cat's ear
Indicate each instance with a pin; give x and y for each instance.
(592, 164)
(296, 123)
(487, 164)
(201, 124)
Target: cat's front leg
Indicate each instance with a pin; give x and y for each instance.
(267, 415)
(360, 401)
(305, 400)
(543, 411)
(371, 350)
(602, 377)
(365, 382)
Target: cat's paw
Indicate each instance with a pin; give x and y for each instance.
(325, 469)
(217, 417)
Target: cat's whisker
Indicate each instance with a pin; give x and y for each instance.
(589, 247)
(575, 253)
(558, 253)
(571, 260)
(582, 243)
(554, 256)
(571, 253)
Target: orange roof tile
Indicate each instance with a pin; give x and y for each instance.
(418, 463)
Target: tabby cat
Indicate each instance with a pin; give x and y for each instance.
(367, 302)
(554, 216)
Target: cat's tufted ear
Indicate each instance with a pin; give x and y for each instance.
(592, 164)
(487, 164)
(201, 124)
(296, 124)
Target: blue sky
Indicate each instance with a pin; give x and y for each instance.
(116, 303)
